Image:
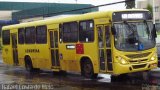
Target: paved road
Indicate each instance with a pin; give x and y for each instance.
(16, 75)
(12, 75)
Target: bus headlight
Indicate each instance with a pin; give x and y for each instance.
(154, 56)
(122, 60)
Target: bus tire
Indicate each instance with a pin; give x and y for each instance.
(28, 64)
(61, 72)
(87, 70)
(120, 78)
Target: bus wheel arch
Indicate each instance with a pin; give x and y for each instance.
(87, 69)
(28, 63)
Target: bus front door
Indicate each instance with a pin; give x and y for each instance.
(54, 49)
(104, 40)
(14, 48)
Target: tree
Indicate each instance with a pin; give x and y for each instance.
(150, 8)
(130, 4)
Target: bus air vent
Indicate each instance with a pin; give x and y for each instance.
(138, 55)
(138, 61)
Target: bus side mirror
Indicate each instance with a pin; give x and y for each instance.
(154, 31)
(113, 30)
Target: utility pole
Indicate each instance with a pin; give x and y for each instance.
(76, 1)
(153, 3)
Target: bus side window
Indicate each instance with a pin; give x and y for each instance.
(30, 36)
(41, 34)
(86, 31)
(60, 33)
(70, 32)
(6, 37)
(108, 40)
(21, 35)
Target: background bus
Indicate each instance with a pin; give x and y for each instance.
(114, 42)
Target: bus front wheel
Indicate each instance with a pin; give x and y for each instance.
(87, 70)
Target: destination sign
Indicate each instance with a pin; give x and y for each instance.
(131, 15)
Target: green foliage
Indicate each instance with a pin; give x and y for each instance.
(130, 4)
(150, 8)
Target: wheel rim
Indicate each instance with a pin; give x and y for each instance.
(87, 70)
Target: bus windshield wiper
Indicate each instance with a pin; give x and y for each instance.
(131, 37)
(129, 26)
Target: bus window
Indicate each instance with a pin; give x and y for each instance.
(108, 41)
(41, 35)
(6, 37)
(86, 32)
(21, 35)
(51, 39)
(56, 39)
(30, 35)
(60, 33)
(70, 32)
(100, 37)
(102, 59)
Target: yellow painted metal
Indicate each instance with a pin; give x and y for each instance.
(70, 60)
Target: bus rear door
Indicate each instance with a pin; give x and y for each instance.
(14, 48)
(54, 49)
(104, 40)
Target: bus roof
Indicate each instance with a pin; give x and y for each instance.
(68, 19)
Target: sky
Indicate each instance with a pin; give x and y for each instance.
(94, 2)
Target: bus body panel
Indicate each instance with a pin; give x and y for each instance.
(136, 64)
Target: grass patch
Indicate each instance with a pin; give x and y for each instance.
(158, 32)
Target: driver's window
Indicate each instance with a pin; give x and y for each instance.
(120, 35)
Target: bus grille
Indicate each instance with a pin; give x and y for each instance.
(138, 61)
(138, 55)
(138, 66)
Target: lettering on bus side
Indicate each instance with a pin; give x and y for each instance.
(32, 51)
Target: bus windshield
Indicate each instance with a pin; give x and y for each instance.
(134, 36)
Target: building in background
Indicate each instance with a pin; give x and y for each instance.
(143, 5)
(31, 11)
(13, 12)
(17, 12)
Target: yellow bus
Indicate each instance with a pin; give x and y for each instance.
(109, 42)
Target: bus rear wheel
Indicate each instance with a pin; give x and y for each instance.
(28, 64)
(87, 70)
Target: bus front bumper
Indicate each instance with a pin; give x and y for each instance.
(128, 68)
